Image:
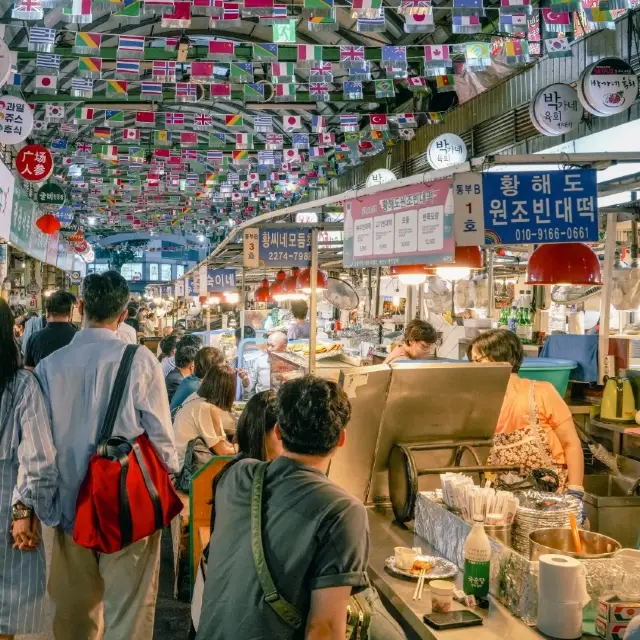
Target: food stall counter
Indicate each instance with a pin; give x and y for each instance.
(397, 592)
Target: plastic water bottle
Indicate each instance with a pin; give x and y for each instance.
(513, 319)
(477, 560)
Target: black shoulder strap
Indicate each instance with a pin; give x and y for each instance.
(285, 610)
(117, 392)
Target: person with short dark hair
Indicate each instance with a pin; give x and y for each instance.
(550, 443)
(168, 348)
(91, 591)
(300, 328)
(57, 333)
(206, 358)
(249, 332)
(419, 342)
(206, 415)
(132, 313)
(185, 363)
(315, 534)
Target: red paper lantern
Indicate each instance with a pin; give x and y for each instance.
(48, 224)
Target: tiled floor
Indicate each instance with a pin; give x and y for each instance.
(172, 616)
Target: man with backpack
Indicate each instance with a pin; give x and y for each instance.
(314, 535)
(96, 595)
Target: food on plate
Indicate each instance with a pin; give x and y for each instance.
(321, 348)
(419, 565)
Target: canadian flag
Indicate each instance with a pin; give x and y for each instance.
(131, 134)
(436, 52)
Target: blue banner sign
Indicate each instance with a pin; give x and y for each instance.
(221, 280)
(277, 246)
(526, 207)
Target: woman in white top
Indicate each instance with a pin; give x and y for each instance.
(206, 414)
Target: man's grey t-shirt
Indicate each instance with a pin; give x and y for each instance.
(315, 536)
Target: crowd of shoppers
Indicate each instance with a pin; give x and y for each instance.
(50, 422)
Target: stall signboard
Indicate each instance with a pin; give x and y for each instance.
(524, 207)
(50, 197)
(166, 291)
(16, 119)
(7, 182)
(277, 246)
(190, 288)
(179, 289)
(607, 87)
(447, 150)
(380, 176)
(556, 110)
(410, 225)
(34, 163)
(221, 280)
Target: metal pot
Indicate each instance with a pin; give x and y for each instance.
(560, 541)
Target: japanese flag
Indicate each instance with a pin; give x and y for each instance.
(292, 123)
(46, 83)
(291, 155)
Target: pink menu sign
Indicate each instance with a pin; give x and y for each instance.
(408, 225)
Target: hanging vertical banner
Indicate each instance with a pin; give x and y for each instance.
(411, 225)
(180, 289)
(526, 207)
(202, 280)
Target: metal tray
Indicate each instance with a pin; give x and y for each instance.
(441, 568)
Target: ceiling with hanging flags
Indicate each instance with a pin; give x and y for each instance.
(181, 116)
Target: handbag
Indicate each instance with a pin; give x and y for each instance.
(358, 609)
(127, 493)
(197, 455)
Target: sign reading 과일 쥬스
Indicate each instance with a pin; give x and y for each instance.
(526, 207)
(409, 225)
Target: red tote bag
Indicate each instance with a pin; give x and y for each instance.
(127, 493)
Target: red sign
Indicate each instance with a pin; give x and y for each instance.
(34, 163)
(80, 247)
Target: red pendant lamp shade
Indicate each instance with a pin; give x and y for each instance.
(48, 224)
(564, 263)
(304, 280)
(470, 257)
(276, 287)
(290, 285)
(263, 294)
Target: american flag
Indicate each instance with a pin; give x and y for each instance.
(351, 54)
(173, 119)
(202, 120)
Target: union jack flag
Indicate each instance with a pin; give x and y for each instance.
(202, 120)
(83, 147)
(319, 90)
(351, 54)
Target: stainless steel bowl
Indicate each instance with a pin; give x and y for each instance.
(560, 541)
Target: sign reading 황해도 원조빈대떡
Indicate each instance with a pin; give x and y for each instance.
(523, 207)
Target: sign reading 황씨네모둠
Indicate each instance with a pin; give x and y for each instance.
(221, 280)
(277, 246)
(410, 225)
(525, 207)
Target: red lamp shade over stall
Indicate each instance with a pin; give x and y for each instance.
(263, 294)
(304, 281)
(564, 263)
(290, 285)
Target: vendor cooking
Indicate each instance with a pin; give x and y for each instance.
(535, 428)
(419, 343)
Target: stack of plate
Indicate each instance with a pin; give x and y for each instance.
(541, 510)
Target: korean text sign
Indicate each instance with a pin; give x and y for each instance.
(277, 246)
(526, 207)
(410, 225)
(221, 280)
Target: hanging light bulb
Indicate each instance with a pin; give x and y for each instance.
(214, 298)
(409, 273)
(262, 293)
(304, 281)
(232, 297)
(464, 259)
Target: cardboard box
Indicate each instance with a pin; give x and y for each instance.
(610, 630)
(613, 609)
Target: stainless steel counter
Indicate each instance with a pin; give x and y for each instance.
(385, 535)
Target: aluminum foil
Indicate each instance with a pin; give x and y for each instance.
(514, 578)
